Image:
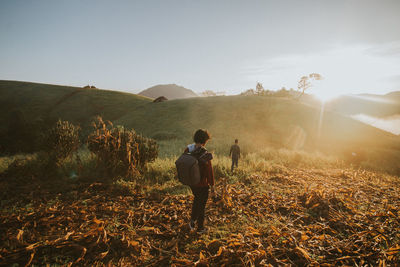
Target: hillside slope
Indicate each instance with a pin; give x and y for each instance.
(257, 121)
(170, 91)
(76, 104)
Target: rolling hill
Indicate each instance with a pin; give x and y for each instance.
(393, 95)
(170, 91)
(257, 121)
(79, 105)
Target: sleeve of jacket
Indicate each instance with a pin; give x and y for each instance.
(210, 174)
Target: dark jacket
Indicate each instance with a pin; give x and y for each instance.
(235, 151)
(206, 171)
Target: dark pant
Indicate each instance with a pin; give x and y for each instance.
(234, 162)
(199, 205)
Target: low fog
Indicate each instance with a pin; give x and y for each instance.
(389, 124)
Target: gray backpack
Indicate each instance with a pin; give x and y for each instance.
(188, 169)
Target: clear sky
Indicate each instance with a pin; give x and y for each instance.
(203, 45)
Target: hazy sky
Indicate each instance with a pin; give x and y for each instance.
(215, 45)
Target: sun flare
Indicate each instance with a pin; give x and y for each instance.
(323, 91)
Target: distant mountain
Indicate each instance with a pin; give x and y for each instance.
(389, 97)
(393, 95)
(170, 91)
(369, 104)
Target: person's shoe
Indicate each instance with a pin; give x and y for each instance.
(191, 225)
(202, 231)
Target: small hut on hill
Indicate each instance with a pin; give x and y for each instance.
(90, 86)
(160, 99)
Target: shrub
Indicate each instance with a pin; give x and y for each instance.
(148, 150)
(119, 151)
(61, 141)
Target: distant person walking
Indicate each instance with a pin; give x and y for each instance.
(235, 153)
(200, 191)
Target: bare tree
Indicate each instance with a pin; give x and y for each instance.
(305, 82)
(208, 93)
(259, 89)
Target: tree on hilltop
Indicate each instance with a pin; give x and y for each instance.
(208, 93)
(259, 89)
(305, 82)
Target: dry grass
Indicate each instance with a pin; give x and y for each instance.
(297, 216)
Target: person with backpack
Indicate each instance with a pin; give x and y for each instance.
(235, 153)
(201, 189)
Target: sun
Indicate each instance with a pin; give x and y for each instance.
(323, 91)
(324, 96)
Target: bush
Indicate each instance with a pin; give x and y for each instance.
(148, 150)
(61, 141)
(119, 151)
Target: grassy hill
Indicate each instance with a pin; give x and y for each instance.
(170, 91)
(257, 121)
(76, 104)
